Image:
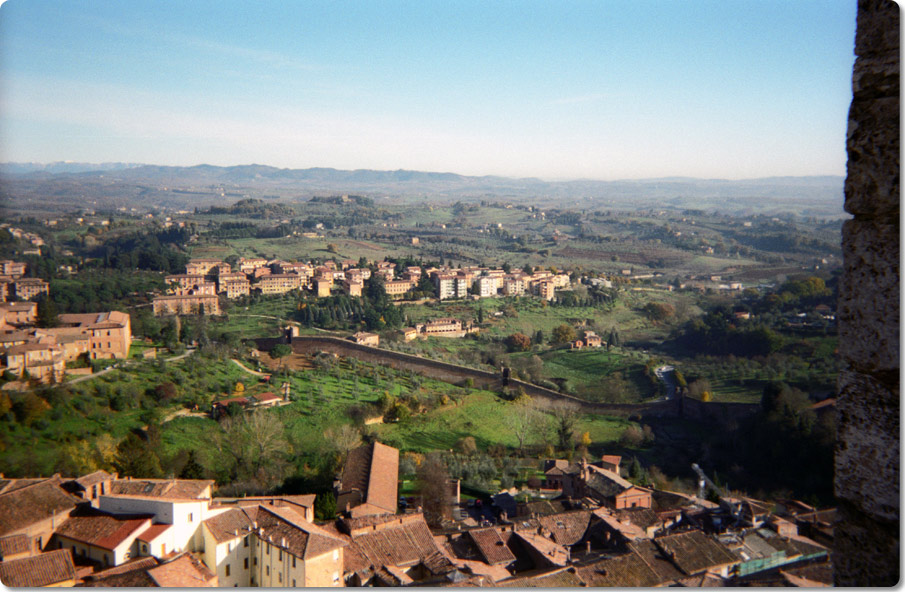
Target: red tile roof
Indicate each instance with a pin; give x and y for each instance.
(567, 528)
(491, 546)
(36, 500)
(185, 571)
(14, 545)
(288, 529)
(370, 475)
(162, 488)
(153, 531)
(41, 570)
(402, 541)
(224, 527)
(694, 551)
(103, 530)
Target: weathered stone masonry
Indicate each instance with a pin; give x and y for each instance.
(866, 551)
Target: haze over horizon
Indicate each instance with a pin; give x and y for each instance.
(588, 90)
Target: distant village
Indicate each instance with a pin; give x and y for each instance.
(204, 279)
(594, 528)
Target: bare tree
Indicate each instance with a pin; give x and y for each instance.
(524, 419)
(433, 485)
(256, 444)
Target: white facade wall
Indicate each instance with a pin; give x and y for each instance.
(185, 516)
(234, 556)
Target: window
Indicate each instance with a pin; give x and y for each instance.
(40, 542)
(267, 570)
(144, 548)
(267, 547)
(256, 562)
(246, 563)
(245, 542)
(293, 561)
(106, 559)
(280, 557)
(191, 519)
(227, 570)
(280, 578)
(293, 583)
(229, 547)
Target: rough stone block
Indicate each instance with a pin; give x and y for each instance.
(872, 182)
(868, 306)
(876, 76)
(865, 551)
(867, 444)
(878, 27)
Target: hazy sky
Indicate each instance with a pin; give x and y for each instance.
(604, 89)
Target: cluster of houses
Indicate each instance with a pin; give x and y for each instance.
(41, 354)
(196, 291)
(14, 286)
(34, 239)
(102, 530)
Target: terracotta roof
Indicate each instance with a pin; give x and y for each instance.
(183, 572)
(288, 529)
(139, 563)
(623, 571)
(642, 517)
(694, 551)
(370, 475)
(402, 543)
(491, 546)
(303, 501)
(94, 478)
(224, 527)
(704, 580)
(34, 501)
(653, 558)
(41, 570)
(558, 578)
(153, 531)
(103, 530)
(162, 488)
(606, 483)
(553, 554)
(14, 545)
(612, 459)
(567, 528)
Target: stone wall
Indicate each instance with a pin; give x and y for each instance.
(713, 412)
(866, 547)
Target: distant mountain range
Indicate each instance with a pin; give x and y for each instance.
(817, 193)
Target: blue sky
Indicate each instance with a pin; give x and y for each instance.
(602, 89)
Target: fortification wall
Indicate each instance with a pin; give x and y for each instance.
(866, 538)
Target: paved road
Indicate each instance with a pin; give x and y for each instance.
(125, 363)
(667, 374)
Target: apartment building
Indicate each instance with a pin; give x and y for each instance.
(397, 287)
(30, 288)
(109, 333)
(12, 268)
(280, 283)
(186, 304)
(487, 286)
(248, 265)
(206, 267)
